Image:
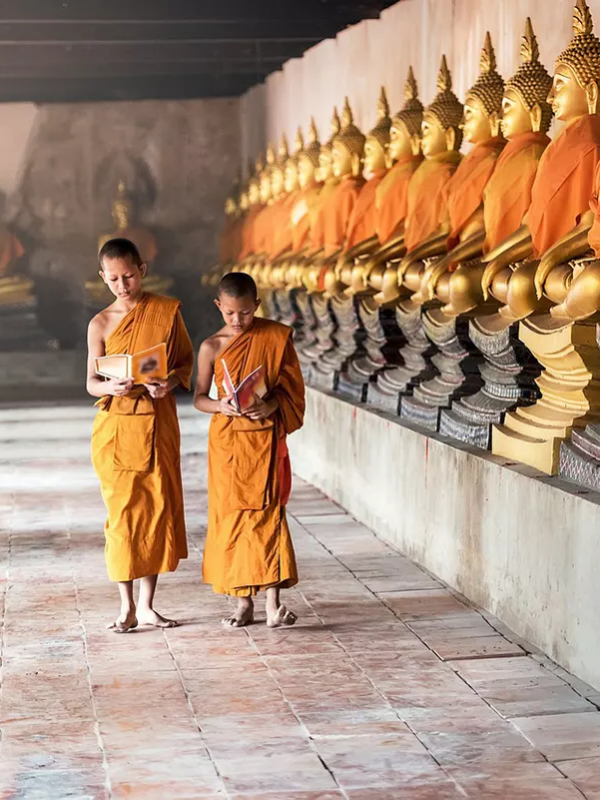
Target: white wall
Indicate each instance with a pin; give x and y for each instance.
(378, 52)
(524, 548)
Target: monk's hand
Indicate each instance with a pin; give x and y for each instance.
(261, 409)
(158, 389)
(226, 408)
(118, 388)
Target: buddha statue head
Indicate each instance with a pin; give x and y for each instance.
(266, 189)
(405, 129)
(244, 203)
(441, 128)
(378, 139)
(525, 105)
(255, 171)
(483, 103)
(121, 208)
(348, 146)
(278, 169)
(291, 178)
(231, 207)
(325, 172)
(308, 158)
(576, 80)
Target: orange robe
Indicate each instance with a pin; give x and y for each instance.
(135, 451)
(304, 215)
(463, 194)
(282, 239)
(507, 195)
(362, 222)
(565, 182)
(230, 239)
(248, 544)
(11, 250)
(248, 234)
(317, 236)
(392, 197)
(337, 212)
(426, 207)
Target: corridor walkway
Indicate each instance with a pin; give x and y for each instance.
(389, 688)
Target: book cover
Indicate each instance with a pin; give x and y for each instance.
(144, 367)
(243, 396)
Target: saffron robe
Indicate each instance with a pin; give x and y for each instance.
(565, 182)
(11, 250)
(136, 450)
(337, 212)
(463, 193)
(507, 196)
(426, 207)
(248, 544)
(317, 236)
(282, 225)
(304, 214)
(248, 235)
(362, 222)
(391, 200)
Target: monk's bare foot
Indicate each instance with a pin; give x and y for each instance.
(151, 617)
(125, 622)
(244, 614)
(279, 617)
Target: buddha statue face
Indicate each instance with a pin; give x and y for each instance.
(254, 196)
(306, 171)
(477, 123)
(277, 182)
(401, 144)
(244, 201)
(342, 160)
(290, 177)
(569, 100)
(325, 172)
(434, 139)
(516, 117)
(266, 192)
(374, 157)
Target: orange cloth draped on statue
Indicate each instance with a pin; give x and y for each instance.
(262, 230)
(392, 197)
(230, 239)
(337, 212)
(248, 234)
(507, 195)
(304, 215)
(248, 544)
(317, 235)
(136, 454)
(463, 194)
(565, 182)
(362, 222)
(426, 207)
(282, 238)
(11, 250)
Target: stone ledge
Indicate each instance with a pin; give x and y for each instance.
(520, 544)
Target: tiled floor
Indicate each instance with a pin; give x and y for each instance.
(389, 688)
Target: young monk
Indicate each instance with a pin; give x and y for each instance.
(248, 546)
(135, 439)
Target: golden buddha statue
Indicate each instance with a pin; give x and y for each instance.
(556, 231)
(122, 212)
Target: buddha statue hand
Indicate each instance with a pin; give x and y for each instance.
(432, 275)
(547, 264)
(492, 269)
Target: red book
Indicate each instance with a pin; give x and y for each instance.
(252, 386)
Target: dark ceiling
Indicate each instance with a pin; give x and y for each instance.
(86, 50)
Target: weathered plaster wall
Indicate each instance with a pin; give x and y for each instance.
(59, 170)
(523, 547)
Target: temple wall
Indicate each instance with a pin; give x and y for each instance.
(523, 547)
(378, 52)
(59, 170)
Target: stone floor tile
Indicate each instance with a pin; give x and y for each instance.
(585, 774)
(563, 737)
(278, 795)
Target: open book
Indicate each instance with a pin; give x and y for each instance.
(243, 397)
(144, 367)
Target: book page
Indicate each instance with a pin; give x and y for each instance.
(228, 386)
(113, 366)
(150, 364)
(251, 386)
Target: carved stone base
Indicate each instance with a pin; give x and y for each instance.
(457, 362)
(323, 331)
(570, 393)
(347, 337)
(287, 311)
(509, 375)
(306, 333)
(20, 329)
(415, 364)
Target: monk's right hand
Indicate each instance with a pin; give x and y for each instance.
(118, 388)
(226, 408)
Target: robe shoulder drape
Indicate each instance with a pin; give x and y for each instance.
(136, 450)
(248, 544)
(392, 197)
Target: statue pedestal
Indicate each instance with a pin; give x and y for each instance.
(416, 364)
(20, 329)
(307, 323)
(286, 308)
(347, 336)
(508, 374)
(323, 332)
(570, 389)
(457, 363)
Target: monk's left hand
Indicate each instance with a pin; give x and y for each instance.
(158, 389)
(261, 409)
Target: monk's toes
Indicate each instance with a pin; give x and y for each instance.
(122, 627)
(282, 617)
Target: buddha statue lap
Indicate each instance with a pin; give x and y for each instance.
(97, 294)
(554, 244)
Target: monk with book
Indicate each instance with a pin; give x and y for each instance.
(260, 401)
(139, 351)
